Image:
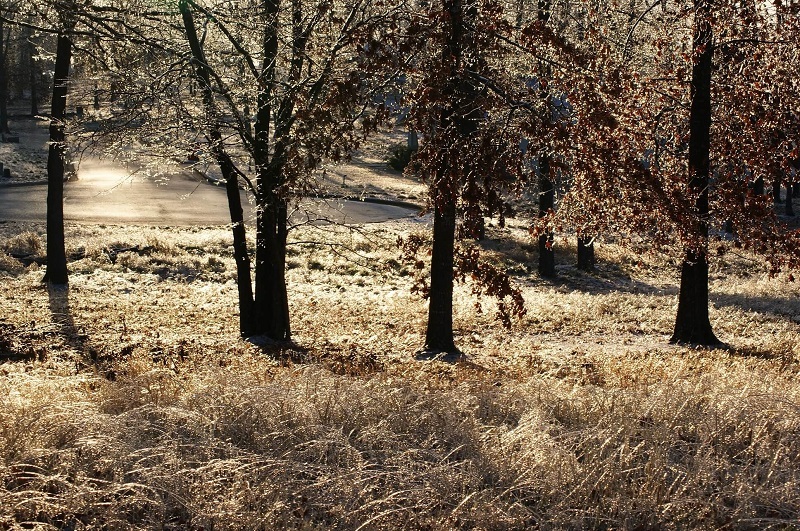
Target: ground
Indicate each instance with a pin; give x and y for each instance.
(128, 401)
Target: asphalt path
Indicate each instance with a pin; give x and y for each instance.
(105, 193)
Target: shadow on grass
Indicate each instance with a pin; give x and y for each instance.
(341, 361)
(521, 260)
(786, 307)
(61, 317)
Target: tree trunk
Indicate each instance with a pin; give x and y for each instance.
(586, 254)
(776, 190)
(272, 302)
(271, 295)
(34, 77)
(56, 254)
(439, 335)
(247, 314)
(758, 186)
(789, 198)
(439, 331)
(4, 80)
(692, 324)
(547, 258)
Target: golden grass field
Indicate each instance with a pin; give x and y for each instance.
(128, 402)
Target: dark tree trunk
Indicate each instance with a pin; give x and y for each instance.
(272, 302)
(586, 254)
(34, 78)
(439, 331)
(56, 254)
(439, 335)
(4, 80)
(776, 190)
(547, 258)
(692, 324)
(789, 198)
(247, 316)
(758, 186)
(271, 295)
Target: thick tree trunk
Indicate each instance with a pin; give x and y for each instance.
(439, 335)
(789, 199)
(56, 254)
(692, 324)
(586, 254)
(547, 258)
(272, 302)
(247, 314)
(439, 331)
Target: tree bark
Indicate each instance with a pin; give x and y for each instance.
(789, 199)
(758, 186)
(56, 273)
(547, 258)
(247, 314)
(34, 77)
(271, 294)
(439, 330)
(692, 324)
(272, 301)
(586, 254)
(4, 129)
(439, 334)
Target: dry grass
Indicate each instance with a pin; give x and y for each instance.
(130, 404)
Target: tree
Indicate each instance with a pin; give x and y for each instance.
(56, 272)
(468, 106)
(692, 324)
(547, 260)
(315, 70)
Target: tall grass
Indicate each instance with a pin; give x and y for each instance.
(140, 410)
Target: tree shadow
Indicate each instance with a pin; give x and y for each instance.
(61, 317)
(783, 307)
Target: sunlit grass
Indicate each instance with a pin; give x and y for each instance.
(131, 403)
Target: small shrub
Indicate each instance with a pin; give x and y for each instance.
(26, 243)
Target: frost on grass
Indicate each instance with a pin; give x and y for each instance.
(131, 404)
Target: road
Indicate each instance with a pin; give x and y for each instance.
(105, 193)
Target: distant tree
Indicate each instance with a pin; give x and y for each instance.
(547, 259)
(5, 37)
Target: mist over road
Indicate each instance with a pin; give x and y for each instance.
(107, 193)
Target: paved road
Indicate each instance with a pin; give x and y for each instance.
(105, 193)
